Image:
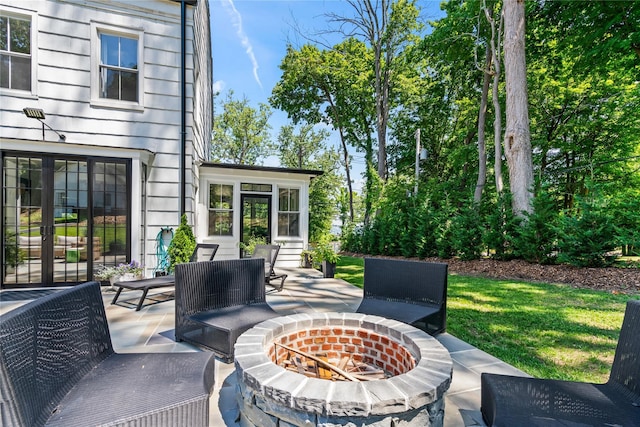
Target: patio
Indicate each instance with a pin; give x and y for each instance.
(151, 330)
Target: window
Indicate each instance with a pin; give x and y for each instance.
(15, 52)
(289, 212)
(118, 67)
(220, 210)
(256, 188)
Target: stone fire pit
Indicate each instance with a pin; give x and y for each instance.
(418, 368)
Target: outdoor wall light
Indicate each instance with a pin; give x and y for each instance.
(38, 114)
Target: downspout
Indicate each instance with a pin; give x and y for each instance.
(183, 106)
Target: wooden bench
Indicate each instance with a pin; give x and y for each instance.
(413, 292)
(59, 369)
(521, 401)
(216, 301)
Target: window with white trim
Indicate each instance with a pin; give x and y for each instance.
(117, 67)
(220, 209)
(15, 52)
(288, 212)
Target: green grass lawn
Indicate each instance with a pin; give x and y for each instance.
(548, 331)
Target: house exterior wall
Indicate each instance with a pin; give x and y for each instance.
(291, 247)
(64, 85)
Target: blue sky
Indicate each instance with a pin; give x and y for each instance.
(249, 40)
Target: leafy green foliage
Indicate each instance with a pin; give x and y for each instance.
(536, 239)
(466, 233)
(182, 245)
(588, 237)
(306, 149)
(241, 133)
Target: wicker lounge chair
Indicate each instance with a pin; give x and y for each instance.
(413, 292)
(216, 301)
(520, 401)
(270, 253)
(59, 369)
(203, 251)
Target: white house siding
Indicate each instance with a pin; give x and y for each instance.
(290, 247)
(62, 48)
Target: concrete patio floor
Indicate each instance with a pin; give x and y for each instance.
(151, 330)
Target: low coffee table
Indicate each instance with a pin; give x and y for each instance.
(144, 285)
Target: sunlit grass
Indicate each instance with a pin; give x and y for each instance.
(548, 331)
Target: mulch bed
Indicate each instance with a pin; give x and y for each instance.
(610, 279)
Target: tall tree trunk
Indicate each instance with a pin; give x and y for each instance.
(517, 139)
(482, 118)
(497, 109)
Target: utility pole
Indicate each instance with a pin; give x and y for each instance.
(417, 160)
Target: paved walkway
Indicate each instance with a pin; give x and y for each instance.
(151, 330)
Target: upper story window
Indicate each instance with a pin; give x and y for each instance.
(288, 212)
(220, 209)
(117, 67)
(15, 52)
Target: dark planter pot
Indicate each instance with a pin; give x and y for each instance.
(328, 269)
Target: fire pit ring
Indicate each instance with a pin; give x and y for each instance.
(419, 366)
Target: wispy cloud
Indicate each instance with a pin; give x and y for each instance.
(236, 18)
(218, 86)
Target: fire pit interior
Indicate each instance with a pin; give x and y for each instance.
(337, 369)
(341, 353)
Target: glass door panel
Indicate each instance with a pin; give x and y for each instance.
(256, 219)
(71, 247)
(22, 220)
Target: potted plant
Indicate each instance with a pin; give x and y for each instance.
(120, 273)
(307, 258)
(325, 255)
(182, 245)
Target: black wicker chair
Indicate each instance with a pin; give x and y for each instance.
(202, 252)
(216, 301)
(521, 401)
(270, 253)
(413, 292)
(59, 369)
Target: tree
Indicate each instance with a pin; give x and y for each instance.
(322, 86)
(241, 133)
(306, 149)
(517, 138)
(389, 27)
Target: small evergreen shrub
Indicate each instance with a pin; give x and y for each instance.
(182, 245)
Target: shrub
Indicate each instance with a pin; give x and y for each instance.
(588, 237)
(182, 245)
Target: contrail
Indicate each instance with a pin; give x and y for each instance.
(237, 22)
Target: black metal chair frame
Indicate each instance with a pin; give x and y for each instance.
(518, 401)
(145, 285)
(270, 254)
(216, 301)
(59, 368)
(413, 292)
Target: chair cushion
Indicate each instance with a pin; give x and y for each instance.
(240, 317)
(398, 310)
(165, 386)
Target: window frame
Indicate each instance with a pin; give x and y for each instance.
(230, 211)
(289, 211)
(9, 12)
(98, 29)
